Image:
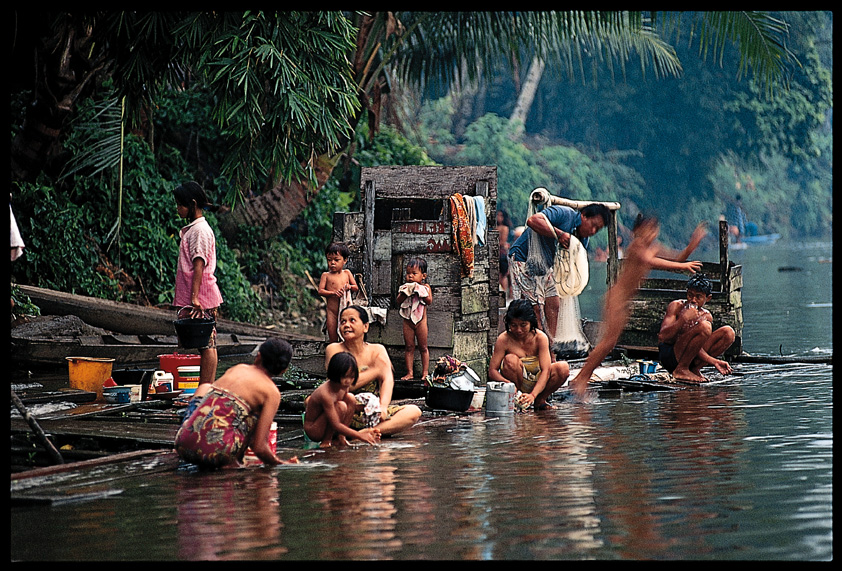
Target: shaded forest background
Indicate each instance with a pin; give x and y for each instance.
(682, 148)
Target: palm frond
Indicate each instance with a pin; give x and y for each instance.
(442, 41)
(100, 141)
(759, 37)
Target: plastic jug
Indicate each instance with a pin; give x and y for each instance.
(161, 382)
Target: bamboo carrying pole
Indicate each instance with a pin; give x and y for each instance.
(33, 424)
(543, 195)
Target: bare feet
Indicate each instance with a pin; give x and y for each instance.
(370, 435)
(543, 405)
(688, 376)
(407, 377)
(578, 387)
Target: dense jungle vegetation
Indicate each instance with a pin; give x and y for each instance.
(99, 218)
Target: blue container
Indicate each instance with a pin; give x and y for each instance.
(647, 367)
(117, 395)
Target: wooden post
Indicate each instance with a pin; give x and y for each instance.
(724, 273)
(36, 428)
(368, 217)
(612, 267)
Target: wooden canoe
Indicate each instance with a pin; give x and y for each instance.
(131, 319)
(124, 349)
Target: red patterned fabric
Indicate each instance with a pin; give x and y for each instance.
(463, 245)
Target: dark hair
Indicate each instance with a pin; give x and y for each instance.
(700, 282)
(417, 262)
(187, 192)
(361, 310)
(340, 365)
(521, 309)
(338, 248)
(275, 355)
(600, 210)
(643, 218)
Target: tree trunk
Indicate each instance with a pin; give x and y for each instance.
(276, 208)
(63, 74)
(527, 95)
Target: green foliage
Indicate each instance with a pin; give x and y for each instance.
(71, 246)
(22, 304)
(61, 252)
(784, 123)
(283, 92)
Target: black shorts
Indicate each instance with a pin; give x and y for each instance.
(666, 355)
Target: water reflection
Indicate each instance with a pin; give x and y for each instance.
(741, 469)
(236, 518)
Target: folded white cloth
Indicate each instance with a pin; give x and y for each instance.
(482, 220)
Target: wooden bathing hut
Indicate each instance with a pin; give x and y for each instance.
(650, 303)
(406, 213)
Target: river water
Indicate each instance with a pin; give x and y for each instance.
(739, 469)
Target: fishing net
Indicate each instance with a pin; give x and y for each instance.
(570, 271)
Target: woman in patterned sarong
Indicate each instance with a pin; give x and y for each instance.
(235, 412)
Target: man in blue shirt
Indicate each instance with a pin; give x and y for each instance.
(554, 225)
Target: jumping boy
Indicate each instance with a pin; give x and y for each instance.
(336, 286)
(329, 409)
(687, 341)
(413, 298)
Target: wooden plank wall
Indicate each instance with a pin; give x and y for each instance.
(406, 212)
(650, 304)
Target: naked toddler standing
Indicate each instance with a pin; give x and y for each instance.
(336, 286)
(413, 298)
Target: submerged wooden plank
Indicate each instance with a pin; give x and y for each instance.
(86, 464)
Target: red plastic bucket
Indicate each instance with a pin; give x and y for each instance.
(250, 458)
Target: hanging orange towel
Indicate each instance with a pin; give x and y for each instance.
(463, 245)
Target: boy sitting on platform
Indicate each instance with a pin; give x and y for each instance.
(687, 341)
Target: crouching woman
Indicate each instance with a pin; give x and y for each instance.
(236, 412)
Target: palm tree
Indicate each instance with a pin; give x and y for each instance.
(750, 31)
(293, 87)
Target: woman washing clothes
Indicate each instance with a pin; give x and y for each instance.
(375, 372)
(235, 412)
(522, 356)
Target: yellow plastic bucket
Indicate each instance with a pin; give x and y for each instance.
(88, 373)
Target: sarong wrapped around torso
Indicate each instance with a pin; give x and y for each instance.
(531, 370)
(217, 432)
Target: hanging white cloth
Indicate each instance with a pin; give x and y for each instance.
(15, 237)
